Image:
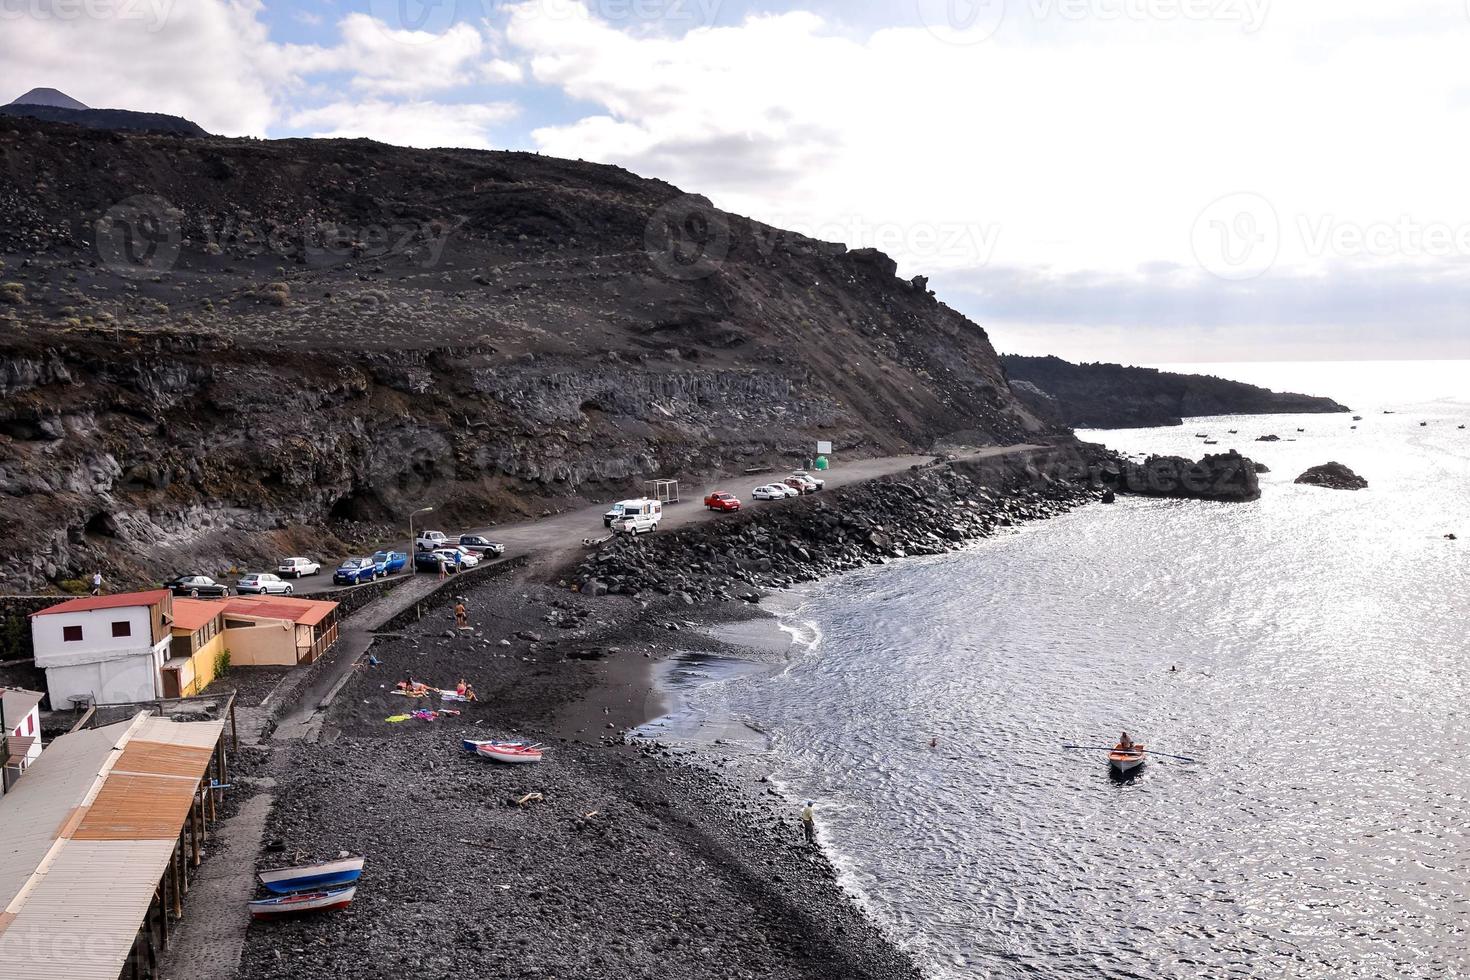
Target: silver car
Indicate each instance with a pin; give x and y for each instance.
(262, 584)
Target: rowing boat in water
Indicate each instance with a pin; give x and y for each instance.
(1123, 761)
(303, 904)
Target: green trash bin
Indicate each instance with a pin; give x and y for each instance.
(822, 463)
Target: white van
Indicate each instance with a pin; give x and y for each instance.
(637, 516)
(638, 506)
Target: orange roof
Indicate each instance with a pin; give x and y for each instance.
(191, 614)
(120, 601)
(302, 612)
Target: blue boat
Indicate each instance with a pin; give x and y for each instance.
(313, 877)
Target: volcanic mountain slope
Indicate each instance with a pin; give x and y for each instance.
(206, 343)
(1111, 396)
(53, 106)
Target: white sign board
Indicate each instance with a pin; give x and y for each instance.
(824, 449)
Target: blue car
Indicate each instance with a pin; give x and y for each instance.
(389, 562)
(355, 571)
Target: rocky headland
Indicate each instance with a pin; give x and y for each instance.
(934, 510)
(1112, 396)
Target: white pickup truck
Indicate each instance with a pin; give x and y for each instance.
(431, 540)
(638, 517)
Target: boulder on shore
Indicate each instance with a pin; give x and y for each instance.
(1333, 476)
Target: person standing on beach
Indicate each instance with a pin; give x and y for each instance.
(97, 582)
(809, 822)
(461, 614)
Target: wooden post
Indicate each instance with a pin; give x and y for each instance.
(176, 867)
(163, 906)
(234, 727)
(196, 818)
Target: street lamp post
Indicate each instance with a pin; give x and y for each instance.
(412, 553)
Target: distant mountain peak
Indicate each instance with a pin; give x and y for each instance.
(51, 97)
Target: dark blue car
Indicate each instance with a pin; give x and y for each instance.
(354, 571)
(389, 562)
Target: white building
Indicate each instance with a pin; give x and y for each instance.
(109, 649)
(20, 729)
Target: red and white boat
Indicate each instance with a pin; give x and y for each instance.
(302, 904)
(1124, 761)
(516, 753)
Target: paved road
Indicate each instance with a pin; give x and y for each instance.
(565, 531)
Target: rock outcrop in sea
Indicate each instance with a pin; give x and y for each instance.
(1226, 477)
(1332, 476)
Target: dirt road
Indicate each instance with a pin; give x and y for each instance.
(553, 537)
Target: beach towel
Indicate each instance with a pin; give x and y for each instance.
(397, 718)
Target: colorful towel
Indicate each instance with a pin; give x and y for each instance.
(397, 718)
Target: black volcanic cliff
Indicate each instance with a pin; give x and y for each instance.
(226, 347)
(1111, 396)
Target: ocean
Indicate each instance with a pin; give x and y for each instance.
(1308, 650)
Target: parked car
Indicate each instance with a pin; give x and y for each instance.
(720, 500)
(297, 567)
(196, 586)
(455, 559)
(390, 562)
(355, 571)
(428, 561)
(429, 540)
(774, 491)
(802, 484)
(476, 543)
(468, 558)
(807, 475)
(262, 584)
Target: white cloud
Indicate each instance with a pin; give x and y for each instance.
(382, 60)
(421, 124)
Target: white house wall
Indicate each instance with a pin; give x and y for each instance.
(118, 679)
(97, 642)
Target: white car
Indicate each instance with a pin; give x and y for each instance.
(461, 557)
(816, 481)
(774, 491)
(297, 567)
(262, 584)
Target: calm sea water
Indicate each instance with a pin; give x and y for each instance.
(1323, 681)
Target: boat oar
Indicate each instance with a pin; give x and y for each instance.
(1109, 748)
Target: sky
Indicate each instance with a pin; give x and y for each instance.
(1148, 181)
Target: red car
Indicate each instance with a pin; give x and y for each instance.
(722, 501)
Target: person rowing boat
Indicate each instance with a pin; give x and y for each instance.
(1126, 756)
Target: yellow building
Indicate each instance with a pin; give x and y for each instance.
(275, 631)
(198, 642)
